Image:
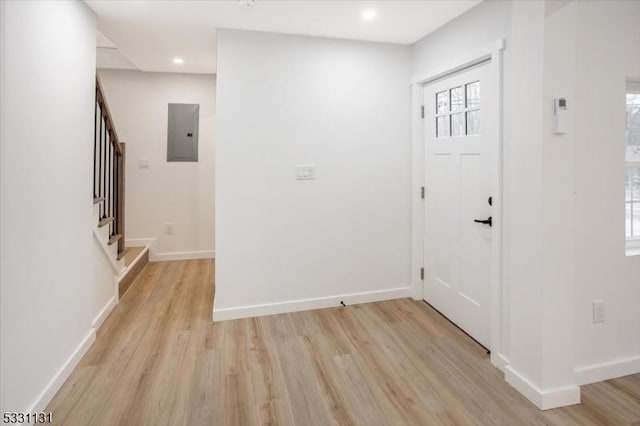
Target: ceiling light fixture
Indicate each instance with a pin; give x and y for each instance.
(178, 61)
(369, 15)
(247, 3)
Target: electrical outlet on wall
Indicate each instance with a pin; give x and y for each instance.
(598, 311)
(168, 229)
(143, 163)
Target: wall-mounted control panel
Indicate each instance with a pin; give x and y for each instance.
(560, 119)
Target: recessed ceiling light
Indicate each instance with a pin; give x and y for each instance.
(369, 14)
(178, 61)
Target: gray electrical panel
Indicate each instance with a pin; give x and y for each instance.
(182, 135)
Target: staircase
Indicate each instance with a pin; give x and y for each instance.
(109, 197)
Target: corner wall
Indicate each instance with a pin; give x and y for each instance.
(564, 200)
(528, 274)
(608, 52)
(181, 193)
(46, 210)
(344, 106)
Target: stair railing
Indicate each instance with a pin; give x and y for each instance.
(108, 171)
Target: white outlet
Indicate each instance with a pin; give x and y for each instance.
(306, 172)
(168, 229)
(598, 311)
(143, 163)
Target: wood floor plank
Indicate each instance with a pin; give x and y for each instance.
(160, 360)
(326, 374)
(359, 395)
(302, 388)
(205, 406)
(269, 389)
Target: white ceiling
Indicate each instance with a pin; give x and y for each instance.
(148, 34)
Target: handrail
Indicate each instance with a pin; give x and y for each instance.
(106, 113)
(108, 171)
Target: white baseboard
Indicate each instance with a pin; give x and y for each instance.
(182, 255)
(67, 368)
(309, 304)
(141, 242)
(416, 291)
(499, 361)
(63, 374)
(104, 313)
(154, 256)
(607, 370)
(543, 399)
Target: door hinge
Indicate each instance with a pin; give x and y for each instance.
(422, 192)
(421, 111)
(422, 274)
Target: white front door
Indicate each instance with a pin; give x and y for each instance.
(457, 260)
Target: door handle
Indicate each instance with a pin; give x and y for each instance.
(488, 221)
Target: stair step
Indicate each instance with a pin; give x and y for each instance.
(97, 200)
(105, 221)
(134, 270)
(131, 254)
(121, 254)
(114, 238)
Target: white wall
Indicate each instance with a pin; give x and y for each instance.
(539, 184)
(476, 29)
(181, 193)
(608, 52)
(46, 211)
(343, 106)
(557, 271)
(104, 275)
(524, 192)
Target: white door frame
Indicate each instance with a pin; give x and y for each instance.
(499, 294)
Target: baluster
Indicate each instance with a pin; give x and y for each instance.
(111, 187)
(115, 199)
(111, 166)
(95, 140)
(121, 198)
(109, 180)
(101, 143)
(104, 168)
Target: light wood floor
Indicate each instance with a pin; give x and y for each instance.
(159, 360)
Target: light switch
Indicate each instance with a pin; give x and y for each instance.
(168, 229)
(305, 172)
(598, 311)
(143, 163)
